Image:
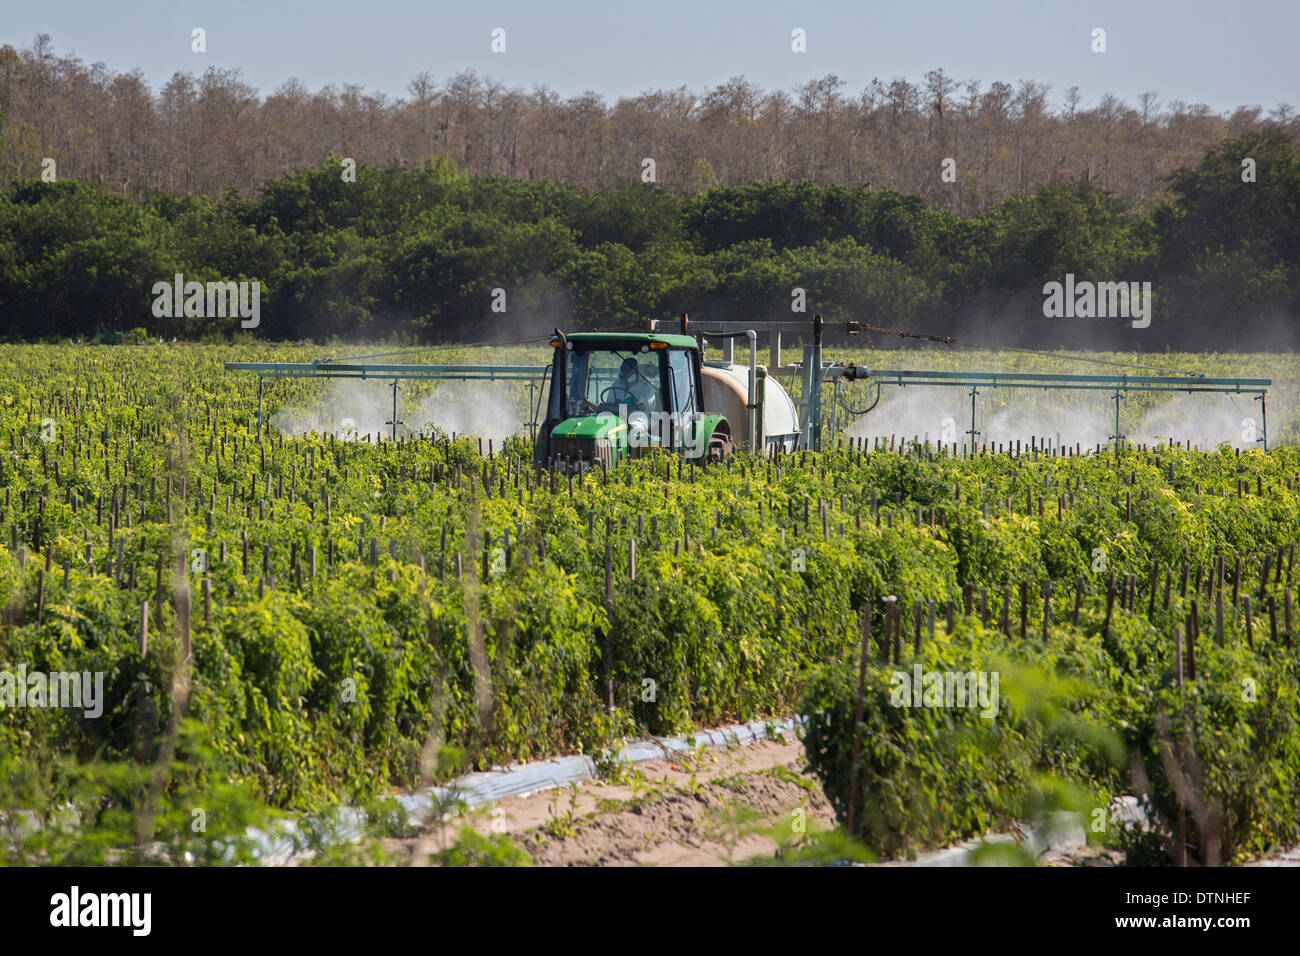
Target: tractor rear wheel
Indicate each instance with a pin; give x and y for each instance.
(721, 447)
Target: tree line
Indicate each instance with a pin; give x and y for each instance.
(213, 134)
(437, 253)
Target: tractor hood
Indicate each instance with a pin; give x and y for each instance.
(590, 426)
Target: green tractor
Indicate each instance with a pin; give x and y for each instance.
(615, 394)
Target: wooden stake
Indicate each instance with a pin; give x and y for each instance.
(1287, 594)
(1155, 571)
(1024, 608)
(1047, 606)
(609, 612)
(1218, 616)
(855, 747)
(1110, 603)
(157, 591)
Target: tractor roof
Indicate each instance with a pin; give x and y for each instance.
(613, 338)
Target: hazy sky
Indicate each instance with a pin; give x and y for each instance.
(1219, 53)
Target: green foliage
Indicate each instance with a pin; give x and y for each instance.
(829, 847)
(421, 250)
(473, 849)
(932, 775)
(1091, 712)
(56, 809)
(374, 676)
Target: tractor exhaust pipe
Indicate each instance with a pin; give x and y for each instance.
(559, 378)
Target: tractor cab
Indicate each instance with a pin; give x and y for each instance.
(615, 394)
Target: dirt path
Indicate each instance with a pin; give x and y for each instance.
(696, 810)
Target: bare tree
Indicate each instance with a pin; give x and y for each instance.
(940, 88)
(213, 133)
(1147, 105)
(1072, 100)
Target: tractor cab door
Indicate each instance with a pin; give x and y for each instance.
(684, 377)
(687, 402)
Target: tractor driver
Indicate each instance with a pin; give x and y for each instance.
(633, 382)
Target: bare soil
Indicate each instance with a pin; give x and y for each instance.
(707, 810)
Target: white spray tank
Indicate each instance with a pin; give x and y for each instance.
(761, 412)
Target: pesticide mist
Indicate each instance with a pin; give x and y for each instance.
(483, 409)
(943, 415)
(1207, 421)
(350, 409)
(1061, 419)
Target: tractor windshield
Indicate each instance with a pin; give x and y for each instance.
(600, 380)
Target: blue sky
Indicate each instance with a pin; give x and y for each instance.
(1222, 54)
